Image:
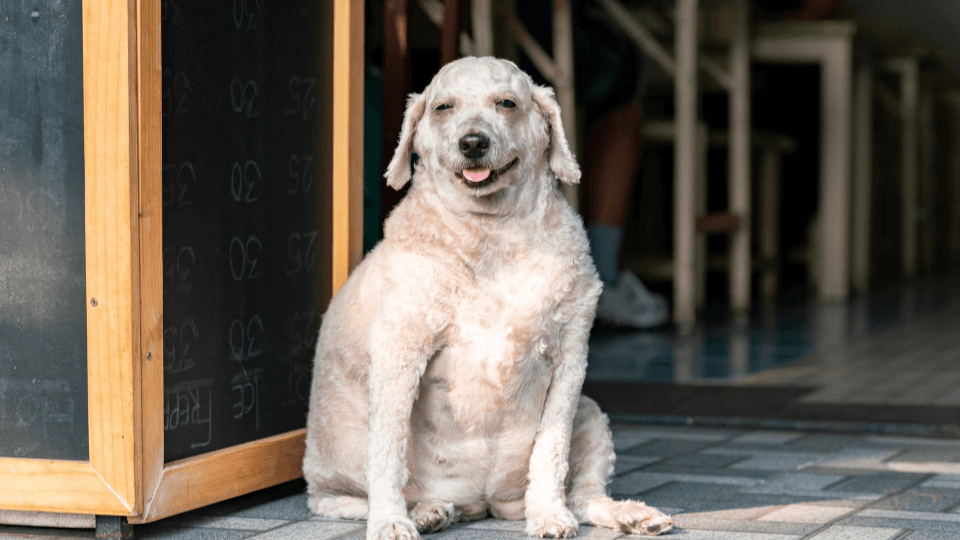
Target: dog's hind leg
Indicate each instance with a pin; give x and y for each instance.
(591, 464)
(338, 506)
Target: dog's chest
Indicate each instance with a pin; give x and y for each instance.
(498, 356)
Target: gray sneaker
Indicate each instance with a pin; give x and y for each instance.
(629, 303)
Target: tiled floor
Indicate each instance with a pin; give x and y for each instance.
(719, 484)
(898, 347)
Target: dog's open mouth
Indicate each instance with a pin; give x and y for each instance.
(482, 176)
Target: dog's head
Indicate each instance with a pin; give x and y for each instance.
(480, 127)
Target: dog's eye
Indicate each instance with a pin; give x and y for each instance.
(443, 107)
(507, 104)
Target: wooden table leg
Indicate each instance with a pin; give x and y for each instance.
(685, 174)
(739, 160)
(863, 177)
(396, 73)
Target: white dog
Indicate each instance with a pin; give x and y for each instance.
(448, 370)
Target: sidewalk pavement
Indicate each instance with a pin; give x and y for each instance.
(719, 484)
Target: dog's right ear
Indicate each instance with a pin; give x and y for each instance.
(398, 171)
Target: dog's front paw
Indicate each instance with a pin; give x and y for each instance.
(395, 528)
(552, 523)
(638, 518)
(433, 516)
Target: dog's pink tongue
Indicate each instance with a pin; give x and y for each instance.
(476, 175)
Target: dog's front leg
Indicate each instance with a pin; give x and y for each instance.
(397, 364)
(546, 509)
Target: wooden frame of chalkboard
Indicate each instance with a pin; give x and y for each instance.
(126, 474)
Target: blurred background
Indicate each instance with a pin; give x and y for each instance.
(781, 177)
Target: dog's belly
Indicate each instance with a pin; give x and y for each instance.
(477, 414)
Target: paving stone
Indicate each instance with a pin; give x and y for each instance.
(689, 491)
(921, 500)
(627, 463)
(665, 468)
(636, 482)
(948, 481)
(289, 508)
(228, 522)
(478, 534)
(677, 432)
(156, 531)
(489, 529)
(695, 522)
(771, 460)
(930, 535)
(628, 439)
(900, 514)
(720, 511)
(767, 438)
(889, 482)
(774, 463)
(806, 513)
(864, 458)
(315, 530)
(693, 534)
(701, 461)
(14, 532)
(801, 481)
(938, 526)
(493, 524)
(361, 534)
(929, 455)
(912, 441)
(667, 448)
(823, 443)
(812, 485)
(857, 533)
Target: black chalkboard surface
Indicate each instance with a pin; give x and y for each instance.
(43, 354)
(240, 219)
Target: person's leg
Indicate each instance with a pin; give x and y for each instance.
(613, 156)
(610, 168)
(612, 162)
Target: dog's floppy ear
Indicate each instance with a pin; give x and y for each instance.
(399, 170)
(562, 162)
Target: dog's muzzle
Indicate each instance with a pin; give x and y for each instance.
(474, 145)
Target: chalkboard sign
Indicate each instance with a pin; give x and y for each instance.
(43, 355)
(240, 219)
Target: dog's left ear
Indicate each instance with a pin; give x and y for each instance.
(562, 162)
(398, 171)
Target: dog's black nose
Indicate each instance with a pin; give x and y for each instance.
(474, 145)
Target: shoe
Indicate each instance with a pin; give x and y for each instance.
(629, 303)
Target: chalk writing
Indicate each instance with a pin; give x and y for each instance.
(244, 257)
(302, 252)
(176, 346)
(177, 264)
(298, 384)
(246, 387)
(245, 13)
(303, 331)
(175, 90)
(179, 180)
(245, 176)
(301, 174)
(244, 339)
(183, 407)
(243, 95)
(302, 95)
(35, 404)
